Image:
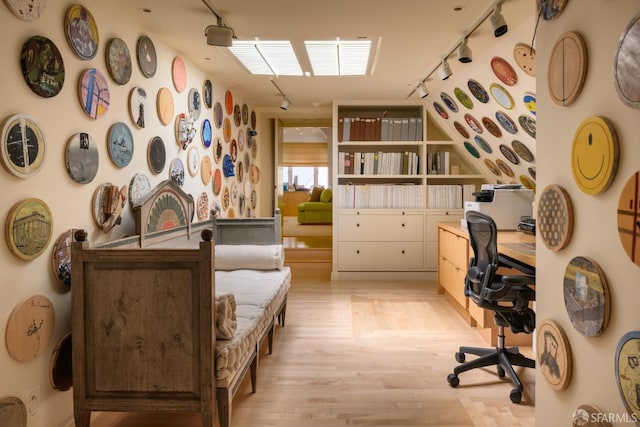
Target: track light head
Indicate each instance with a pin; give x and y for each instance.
(218, 35)
(464, 52)
(423, 92)
(498, 22)
(445, 70)
(285, 104)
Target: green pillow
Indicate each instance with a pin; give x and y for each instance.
(325, 196)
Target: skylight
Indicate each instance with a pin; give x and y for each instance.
(327, 58)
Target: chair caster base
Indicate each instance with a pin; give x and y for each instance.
(453, 380)
(515, 395)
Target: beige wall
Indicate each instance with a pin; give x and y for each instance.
(595, 235)
(60, 117)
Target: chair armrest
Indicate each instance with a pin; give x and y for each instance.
(519, 280)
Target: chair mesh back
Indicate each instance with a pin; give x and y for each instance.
(483, 239)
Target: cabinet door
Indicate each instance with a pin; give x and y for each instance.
(380, 227)
(380, 256)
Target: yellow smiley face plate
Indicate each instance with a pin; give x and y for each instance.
(594, 155)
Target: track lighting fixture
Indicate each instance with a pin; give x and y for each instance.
(219, 34)
(285, 104)
(498, 23)
(464, 52)
(422, 90)
(445, 70)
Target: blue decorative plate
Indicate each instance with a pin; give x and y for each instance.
(502, 97)
(478, 91)
(529, 100)
(207, 93)
(207, 133)
(506, 122)
(483, 144)
(120, 142)
(440, 110)
(449, 102)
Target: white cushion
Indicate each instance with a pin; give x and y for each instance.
(250, 257)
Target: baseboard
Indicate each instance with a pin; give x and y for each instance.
(384, 275)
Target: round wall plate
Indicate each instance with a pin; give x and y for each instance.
(28, 10)
(195, 103)
(478, 91)
(179, 74)
(206, 169)
(567, 68)
(551, 9)
(176, 171)
(13, 412)
(61, 258)
(586, 296)
(23, 146)
(206, 133)
(42, 66)
(139, 187)
(594, 155)
(228, 102)
(464, 99)
(30, 328)
(589, 416)
(138, 108)
(28, 228)
(118, 61)
(525, 57)
(193, 160)
(207, 93)
(626, 369)
(93, 93)
(627, 62)
(522, 151)
(628, 218)
(146, 53)
(501, 96)
(504, 71)
(202, 207)
(164, 105)
(81, 31)
(120, 143)
(156, 155)
(555, 217)
(553, 354)
(60, 367)
(82, 158)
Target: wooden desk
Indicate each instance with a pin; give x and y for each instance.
(454, 252)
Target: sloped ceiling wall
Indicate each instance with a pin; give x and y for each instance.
(488, 106)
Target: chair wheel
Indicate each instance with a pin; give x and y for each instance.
(501, 372)
(460, 357)
(453, 380)
(515, 395)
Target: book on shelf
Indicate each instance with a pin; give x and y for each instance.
(379, 129)
(381, 196)
(449, 196)
(438, 163)
(378, 163)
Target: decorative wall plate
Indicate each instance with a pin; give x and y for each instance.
(527, 182)
(461, 129)
(492, 167)
(27, 10)
(478, 91)
(555, 217)
(254, 174)
(626, 369)
(226, 131)
(147, 59)
(473, 123)
(61, 258)
(23, 146)
(93, 92)
(139, 187)
(567, 68)
(586, 296)
(532, 172)
(81, 31)
(484, 145)
(247, 161)
(82, 158)
(250, 135)
(504, 71)
(202, 207)
(528, 124)
(30, 328)
(629, 218)
(28, 228)
(529, 100)
(226, 200)
(522, 151)
(205, 169)
(501, 96)
(228, 102)
(594, 155)
(472, 150)
(207, 93)
(234, 193)
(156, 155)
(449, 102)
(553, 354)
(217, 115)
(179, 74)
(254, 199)
(207, 133)
(164, 105)
(492, 127)
(176, 172)
(440, 110)
(242, 140)
(228, 168)
(525, 57)
(42, 66)
(217, 150)
(107, 203)
(240, 172)
(627, 61)
(589, 416)
(254, 149)
(506, 122)
(13, 411)
(138, 107)
(60, 366)
(245, 114)
(216, 182)
(464, 99)
(253, 120)
(509, 154)
(120, 143)
(193, 160)
(551, 9)
(504, 168)
(195, 104)
(118, 61)
(237, 115)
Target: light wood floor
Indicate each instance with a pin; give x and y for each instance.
(367, 354)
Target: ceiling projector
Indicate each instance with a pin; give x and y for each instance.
(219, 36)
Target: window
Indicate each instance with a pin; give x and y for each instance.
(305, 177)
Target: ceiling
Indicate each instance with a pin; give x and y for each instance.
(413, 34)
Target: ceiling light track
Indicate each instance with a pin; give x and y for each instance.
(286, 103)
(499, 27)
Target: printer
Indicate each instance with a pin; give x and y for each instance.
(507, 204)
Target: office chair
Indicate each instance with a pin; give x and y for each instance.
(507, 296)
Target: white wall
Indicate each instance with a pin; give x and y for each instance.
(595, 234)
(70, 203)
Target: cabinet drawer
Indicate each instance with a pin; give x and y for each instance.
(399, 227)
(454, 249)
(441, 216)
(451, 278)
(380, 256)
